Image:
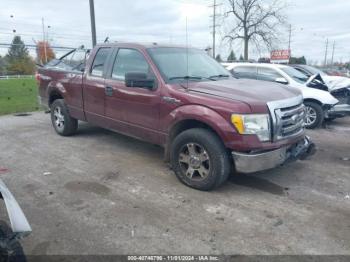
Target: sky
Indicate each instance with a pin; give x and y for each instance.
(67, 23)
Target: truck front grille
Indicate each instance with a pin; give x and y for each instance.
(290, 121)
(287, 117)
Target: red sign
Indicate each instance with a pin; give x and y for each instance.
(280, 55)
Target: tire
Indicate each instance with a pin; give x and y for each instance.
(63, 123)
(199, 159)
(314, 115)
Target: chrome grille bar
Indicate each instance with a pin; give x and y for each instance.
(287, 117)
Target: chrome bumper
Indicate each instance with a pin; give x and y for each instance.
(19, 223)
(255, 162)
(339, 110)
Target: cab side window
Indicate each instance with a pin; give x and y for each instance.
(129, 61)
(245, 72)
(268, 74)
(98, 65)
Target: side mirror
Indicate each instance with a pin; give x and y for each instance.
(281, 80)
(139, 80)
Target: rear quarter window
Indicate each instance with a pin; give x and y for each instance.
(245, 72)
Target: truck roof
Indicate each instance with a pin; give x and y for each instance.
(140, 45)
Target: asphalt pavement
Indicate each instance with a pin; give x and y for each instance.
(99, 192)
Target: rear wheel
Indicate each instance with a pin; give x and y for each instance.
(63, 123)
(200, 160)
(314, 115)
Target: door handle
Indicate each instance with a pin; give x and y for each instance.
(171, 100)
(109, 91)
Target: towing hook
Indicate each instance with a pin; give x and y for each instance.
(310, 151)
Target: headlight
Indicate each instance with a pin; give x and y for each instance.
(253, 125)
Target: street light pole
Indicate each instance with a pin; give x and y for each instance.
(93, 26)
(47, 34)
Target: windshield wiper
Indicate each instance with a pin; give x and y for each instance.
(218, 76)
(186, 77)
(192, 78)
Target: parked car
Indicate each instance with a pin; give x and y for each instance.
(180, 98)
(319, 103)
(338, 86)
(10, 248)
(336, 72)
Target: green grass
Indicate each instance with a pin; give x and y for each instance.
(18, 96)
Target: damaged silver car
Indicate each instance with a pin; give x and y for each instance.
(338, 86)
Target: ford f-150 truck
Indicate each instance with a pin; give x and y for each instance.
(209, 123)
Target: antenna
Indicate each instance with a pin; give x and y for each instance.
(187, 52)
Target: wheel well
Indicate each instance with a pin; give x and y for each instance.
(182, 126)
(313, 100)
(54, 95)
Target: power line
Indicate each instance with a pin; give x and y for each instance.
(34, 46)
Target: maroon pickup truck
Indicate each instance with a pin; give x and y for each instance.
(209, 123)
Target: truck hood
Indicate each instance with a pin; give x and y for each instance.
(251, 92)
(336, 82)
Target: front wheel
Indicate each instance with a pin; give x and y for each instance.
(314, 115)
(200, 160)
(63, 123)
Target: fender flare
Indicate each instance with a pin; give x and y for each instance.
(202, 114)
(198, 113)
(55, 87)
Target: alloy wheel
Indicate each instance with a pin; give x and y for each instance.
(194, 161)
(59, 118)
(311, 116)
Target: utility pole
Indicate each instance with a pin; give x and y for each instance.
(289, 42)
(326, 54)
(44, 42)
(333, 54)
(93, 25)
(214, 26)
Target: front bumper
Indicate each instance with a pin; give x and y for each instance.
(255, 162)
(339, 110)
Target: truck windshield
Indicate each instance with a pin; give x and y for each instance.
(181, 64)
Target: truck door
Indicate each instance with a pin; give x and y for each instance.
(134, 110)
(94, 87)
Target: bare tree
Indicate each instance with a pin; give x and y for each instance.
(256, 21)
